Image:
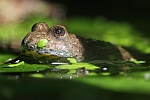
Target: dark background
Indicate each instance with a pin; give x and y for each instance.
(135, 12)
(112, 9)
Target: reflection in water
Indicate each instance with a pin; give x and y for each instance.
(147, 76)
(107, 68)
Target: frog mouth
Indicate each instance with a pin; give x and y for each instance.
(54, 52)
(31, 49)
(45, 58)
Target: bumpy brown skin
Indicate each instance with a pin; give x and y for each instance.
(61, 44)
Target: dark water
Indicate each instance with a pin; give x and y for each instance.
(77, 83)
(104, 68)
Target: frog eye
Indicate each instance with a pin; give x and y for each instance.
(57, 31)
(41, 26)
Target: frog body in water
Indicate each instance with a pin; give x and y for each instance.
(59, 44)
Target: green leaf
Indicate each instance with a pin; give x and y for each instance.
(24, 68)
(18, 64)
(72, 60)
(136, 61)
(78, 65)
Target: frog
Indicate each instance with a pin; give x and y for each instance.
(59, 44)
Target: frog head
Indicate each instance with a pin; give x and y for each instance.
(50, 43)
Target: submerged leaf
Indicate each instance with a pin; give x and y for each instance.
(37, 75)
(72, 60)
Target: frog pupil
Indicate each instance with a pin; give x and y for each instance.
(58, 31)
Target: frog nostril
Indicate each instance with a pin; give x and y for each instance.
(57, 31)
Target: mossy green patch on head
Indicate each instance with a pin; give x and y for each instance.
(42, 43)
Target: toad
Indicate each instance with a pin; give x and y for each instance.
(45, 45)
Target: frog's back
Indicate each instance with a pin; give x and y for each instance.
(100, 50)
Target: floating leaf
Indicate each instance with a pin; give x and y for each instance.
(136, 61)
(78, 65)
(72, 60)
(25, 68)
(18, 64)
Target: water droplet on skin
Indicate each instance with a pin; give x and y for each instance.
(63, 47)
(61, 54)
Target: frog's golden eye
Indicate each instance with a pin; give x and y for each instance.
(57, 31)
(39, 27)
